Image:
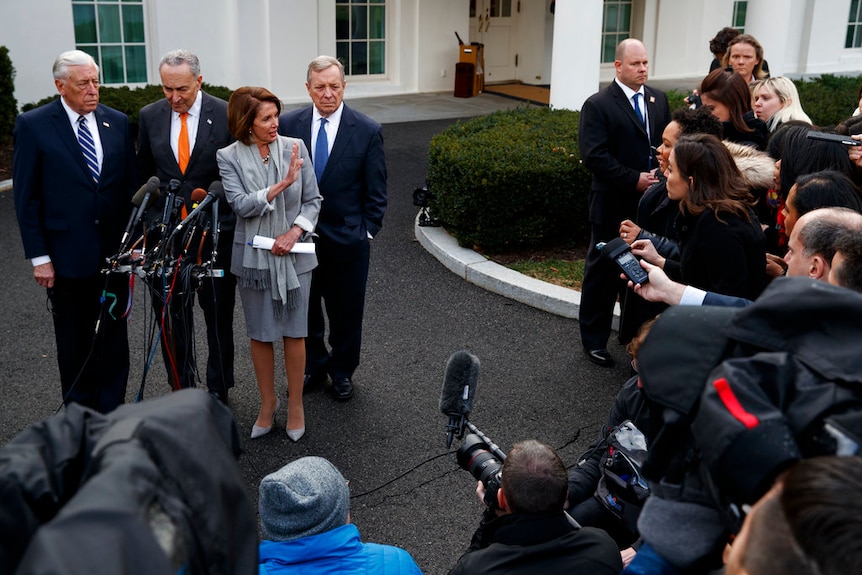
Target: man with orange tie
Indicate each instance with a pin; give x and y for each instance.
(178, 140)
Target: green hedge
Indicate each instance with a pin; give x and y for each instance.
(8, 104)
(829, 99)
(510, 179)
(130, 101)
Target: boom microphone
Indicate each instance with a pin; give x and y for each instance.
(142, 197)
(215, 192)
(459, 390)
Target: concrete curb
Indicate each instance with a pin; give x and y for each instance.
(5, 186)
(498, 279)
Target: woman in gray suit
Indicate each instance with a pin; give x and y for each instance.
(269, 182)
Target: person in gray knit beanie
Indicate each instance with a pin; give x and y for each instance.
(306, 497)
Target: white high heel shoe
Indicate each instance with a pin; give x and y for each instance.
(296, 434)
(257, 431)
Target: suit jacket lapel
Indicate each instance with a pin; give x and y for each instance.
(67, 135)
(342, 138)
(627, 106)
(205, 128)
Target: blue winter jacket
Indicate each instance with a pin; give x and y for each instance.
(337, 551)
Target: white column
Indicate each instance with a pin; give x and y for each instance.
(576, 59)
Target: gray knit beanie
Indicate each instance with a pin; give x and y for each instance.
(305, 497)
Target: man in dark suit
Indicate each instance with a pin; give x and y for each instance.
(74, 174)
(619, 128)
(347, 151)
(160, 153)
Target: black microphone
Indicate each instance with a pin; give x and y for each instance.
(215, 192)
(459, 390)
(140, 201)
(170, 190)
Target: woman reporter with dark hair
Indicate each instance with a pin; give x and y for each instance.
(729, 98)
(722, 246)
(269, 182)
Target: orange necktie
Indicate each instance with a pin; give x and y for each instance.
(183, 144)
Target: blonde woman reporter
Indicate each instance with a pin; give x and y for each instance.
(776, 100)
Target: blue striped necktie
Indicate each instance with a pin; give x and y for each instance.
(88, 146)
(321, 150)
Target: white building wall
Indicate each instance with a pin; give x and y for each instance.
(35, 32)
(577, 45)
(270, 42)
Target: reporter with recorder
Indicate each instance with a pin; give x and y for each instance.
(528, 531)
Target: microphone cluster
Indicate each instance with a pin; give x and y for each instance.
(158, 247)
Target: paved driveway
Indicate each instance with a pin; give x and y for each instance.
(389, 439)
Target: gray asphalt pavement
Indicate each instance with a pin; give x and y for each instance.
(389, 440)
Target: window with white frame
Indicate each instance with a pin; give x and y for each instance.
(360, 36)
(616, 27)
(739, 11)
(854, 26)
(112, 32)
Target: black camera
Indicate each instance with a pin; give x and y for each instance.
(476, 456)
(421, 196)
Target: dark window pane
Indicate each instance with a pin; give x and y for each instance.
(377, 22)
(109, 24)
(342, 23)
(472, 8)
(377, 2)
(625, 18)
(848, 40)
(92, 51)
(494, 8)
(112, 65)
(611, 18)
(359, 24)
(507, 8)
(342, 52)
(132, 1)
(136, 64)
(609, 47)
(133, 23)
(376, 57)
(854, 11)
(359, 58)
(85, 24)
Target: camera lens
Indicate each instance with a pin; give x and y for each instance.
(473, 456)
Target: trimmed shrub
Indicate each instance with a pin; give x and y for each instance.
(8, 104)
(829, 99)
(130, 101)
(510, 179)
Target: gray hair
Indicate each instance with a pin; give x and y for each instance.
(321, 63)
(180, 57)
(819, 234)
(72, 58)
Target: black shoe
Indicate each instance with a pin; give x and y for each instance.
(342, 388)
(313, 382)
(600, 357)
(219, 395)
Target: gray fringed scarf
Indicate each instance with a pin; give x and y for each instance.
(260, 266)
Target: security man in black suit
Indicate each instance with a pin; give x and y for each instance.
(159, 154)
(619, 128)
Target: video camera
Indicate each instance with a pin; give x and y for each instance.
(477, 454)
(421, 198)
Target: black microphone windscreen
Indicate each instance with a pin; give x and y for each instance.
(151, 187)
(459, 383)
(217, 189)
